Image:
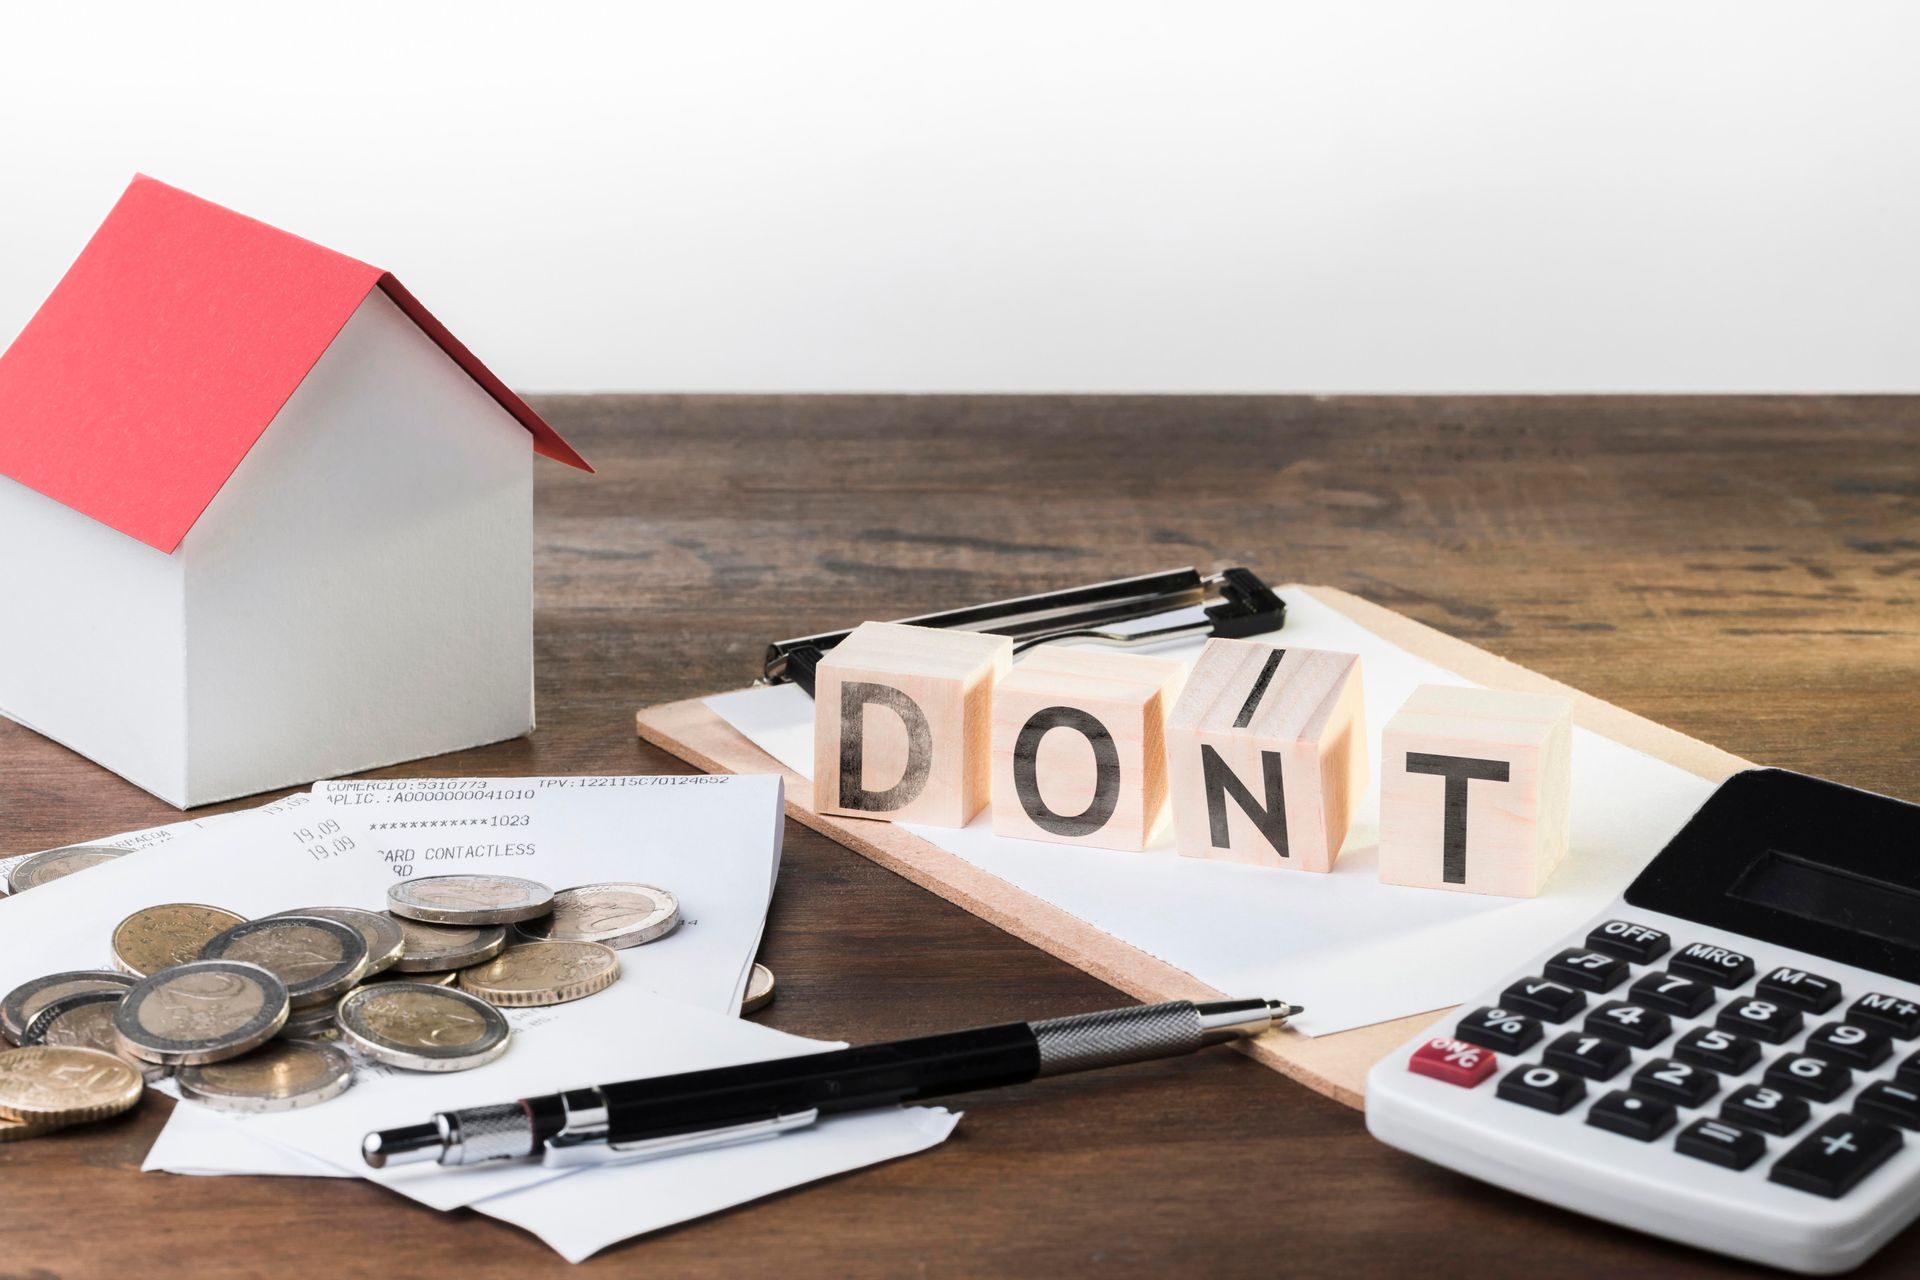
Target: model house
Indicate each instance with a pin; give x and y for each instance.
(263, 519)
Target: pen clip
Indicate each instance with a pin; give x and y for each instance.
(565, 1151)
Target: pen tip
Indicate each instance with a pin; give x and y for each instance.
(1282, 1010)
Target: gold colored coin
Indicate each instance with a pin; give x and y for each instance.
(542, 973)
(62, 1084)
(20, 1130)
(156, 938)
(759, 990)
(284, 1076)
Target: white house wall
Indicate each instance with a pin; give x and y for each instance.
(360, 593)
(92, 639)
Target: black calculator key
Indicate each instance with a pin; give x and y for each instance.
(1709, 963)
(1809, 1077)
(1719, 1050)
(1810, 991)
(1543, 1088)
(1833, 1159)
(1633, 1024)
(1767, 1020)
(1892, 1103)
(1726, 1145)
(1673, 993)
(1501, 1030)
(1588, 970)
(1595, 1057)
(1629, 941)
(1543, 999)
(1897, 1017)
(1854, 1046)
(1632, 1115)
(1677, 1082)
(1767, 1110)
(1908, 1072)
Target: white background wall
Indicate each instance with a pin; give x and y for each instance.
(984, 196)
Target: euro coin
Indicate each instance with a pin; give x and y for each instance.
(45, 868)
(85, 1020)
(156, 938)
(21, 1130)
(433, 948)
(27, 999)
(61, 1084)
(317, 1023)
(759, 990)
(614, 915)
(284, 1076)
(381, 933)
(317, 959)
(421, 1027)
(442, 978)
(205, 1011)
(471, 899)
(542, 973)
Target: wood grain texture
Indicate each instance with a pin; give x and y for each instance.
(1744, 570)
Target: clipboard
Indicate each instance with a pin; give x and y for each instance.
(1335, 1065)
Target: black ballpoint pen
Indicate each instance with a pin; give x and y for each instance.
(640, 1119)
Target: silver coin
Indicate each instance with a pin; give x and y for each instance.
(21, 1003)
(759, 990)
(284, 1076)
(381, 933)
(614, 915)
(422, 1027)
(317, 1023)
(316, 958)
(84, 1020)
(470, 899)
(435, 948)
(201, 1011)
(45, 868)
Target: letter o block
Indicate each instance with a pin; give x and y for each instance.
(902, 723)
(1079, 747)
(1267, 755)
(1474, 787)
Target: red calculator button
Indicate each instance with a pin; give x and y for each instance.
(1454, 1061)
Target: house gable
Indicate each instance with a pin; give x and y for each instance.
(166, 350)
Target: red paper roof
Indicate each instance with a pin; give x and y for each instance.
(168, 348)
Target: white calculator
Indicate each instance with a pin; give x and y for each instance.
(1728, 1056)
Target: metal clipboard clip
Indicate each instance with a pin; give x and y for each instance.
(1236, 601)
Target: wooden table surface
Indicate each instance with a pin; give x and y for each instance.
(1746, 570)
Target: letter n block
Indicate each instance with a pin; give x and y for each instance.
(1079, 747)
(1474, 785)
(1267, 755)
(902, 723)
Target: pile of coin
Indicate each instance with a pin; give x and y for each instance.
(260, 1015)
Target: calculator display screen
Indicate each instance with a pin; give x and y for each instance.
(1814, 890)
(1799, 862)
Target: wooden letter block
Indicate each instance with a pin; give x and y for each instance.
(1474, 786)
(902, 723)
(1079, 747)
(1267, 755)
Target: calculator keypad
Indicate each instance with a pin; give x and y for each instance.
(1824, 1089)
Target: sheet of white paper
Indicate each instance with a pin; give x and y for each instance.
(1353, 951)
(579, 1216)
(132, 841)
(678, 832)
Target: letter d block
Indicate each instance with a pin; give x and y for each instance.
(902, 723)
(1079, 747)
(1267, 755)
(1474, 786)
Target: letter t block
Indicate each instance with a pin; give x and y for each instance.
(1267, 755)
(1474, 785)
(903, 723)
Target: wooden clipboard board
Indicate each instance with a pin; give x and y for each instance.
(1335, 1065)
